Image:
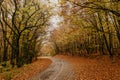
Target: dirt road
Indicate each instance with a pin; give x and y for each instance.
(58, 70)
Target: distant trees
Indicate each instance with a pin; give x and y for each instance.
(21, 23)
(93, 25)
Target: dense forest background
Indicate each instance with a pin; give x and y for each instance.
(88, 27)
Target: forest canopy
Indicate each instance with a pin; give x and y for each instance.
(72, 27)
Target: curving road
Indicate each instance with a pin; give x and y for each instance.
(58, 70)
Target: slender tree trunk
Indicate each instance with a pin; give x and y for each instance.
(104, 37)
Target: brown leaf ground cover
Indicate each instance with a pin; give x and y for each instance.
(99, 68)
(26, 72)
